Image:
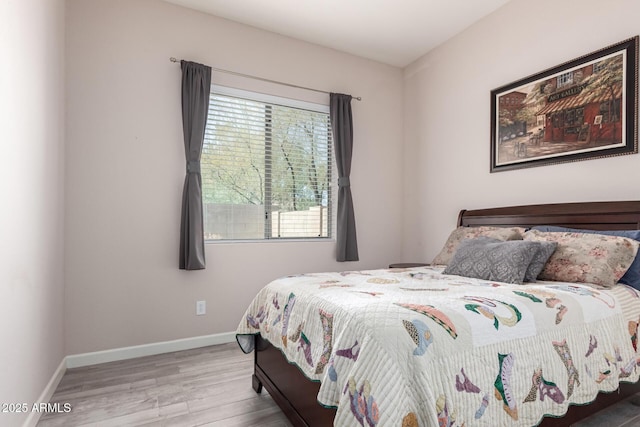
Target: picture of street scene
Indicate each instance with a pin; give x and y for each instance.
(578, 110)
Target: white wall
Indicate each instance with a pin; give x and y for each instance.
(447, 130)
(125, 170)
(32, 194)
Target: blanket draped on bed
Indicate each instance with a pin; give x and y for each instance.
(409, 347)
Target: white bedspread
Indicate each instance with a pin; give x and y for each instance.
(409, 347)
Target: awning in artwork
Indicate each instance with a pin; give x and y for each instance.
(580, 100)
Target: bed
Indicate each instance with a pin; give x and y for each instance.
(416, 375)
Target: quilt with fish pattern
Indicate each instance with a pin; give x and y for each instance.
(415, 347)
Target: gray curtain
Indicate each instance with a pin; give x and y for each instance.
(341, 124)
(196, 85)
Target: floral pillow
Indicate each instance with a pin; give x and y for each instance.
(632, 276)
(461, 233)
(586, 258)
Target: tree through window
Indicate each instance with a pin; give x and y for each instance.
(266, 168)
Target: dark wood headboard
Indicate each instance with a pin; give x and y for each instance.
(589, 215)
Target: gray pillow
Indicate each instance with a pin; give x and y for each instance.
(539, 260)
(488, 259)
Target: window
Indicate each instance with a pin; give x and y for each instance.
(565, 79)
(574, 117)
(600, 65)
(610, 111)
(266, 168)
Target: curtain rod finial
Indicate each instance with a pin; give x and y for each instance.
(172, 59)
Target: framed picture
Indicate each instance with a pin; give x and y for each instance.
(583, 109)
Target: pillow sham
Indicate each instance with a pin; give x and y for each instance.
(586, 258)
(461, 233)
(492, 259)
(632, 276)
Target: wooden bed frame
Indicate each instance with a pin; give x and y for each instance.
(296, 395)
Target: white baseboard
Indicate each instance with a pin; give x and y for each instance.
(86, 359)
(34, 416)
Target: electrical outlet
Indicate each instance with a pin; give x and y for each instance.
(201, 308)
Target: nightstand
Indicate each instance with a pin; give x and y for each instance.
(407, 264)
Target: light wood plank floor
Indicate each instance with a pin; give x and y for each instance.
(206, 386)
(209, 386)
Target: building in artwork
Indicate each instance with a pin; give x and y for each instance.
(584, 104)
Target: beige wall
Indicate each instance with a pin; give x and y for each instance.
(32, 193)
(125, 170)
(446, 98)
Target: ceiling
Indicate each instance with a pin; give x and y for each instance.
(394, 32)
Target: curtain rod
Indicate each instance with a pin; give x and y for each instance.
(172, 59)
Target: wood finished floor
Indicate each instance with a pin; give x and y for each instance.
(209, 386)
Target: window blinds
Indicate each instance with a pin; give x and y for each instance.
(266, 168)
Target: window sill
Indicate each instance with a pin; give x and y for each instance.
(278, 240)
